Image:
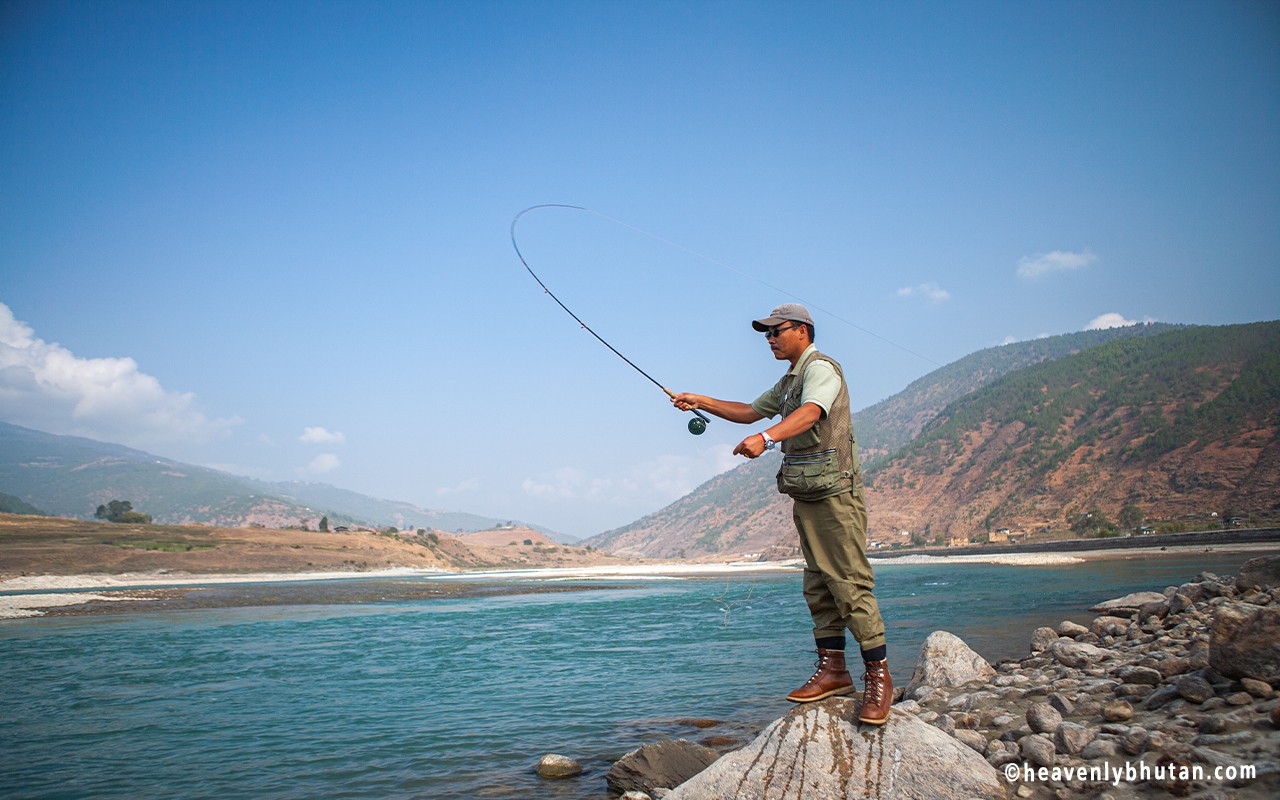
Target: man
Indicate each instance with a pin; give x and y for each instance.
(821, 473)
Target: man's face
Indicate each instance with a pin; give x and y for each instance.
(787, 340)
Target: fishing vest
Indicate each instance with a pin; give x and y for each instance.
(822, 461)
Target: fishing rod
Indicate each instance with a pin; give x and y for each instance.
(696, 425)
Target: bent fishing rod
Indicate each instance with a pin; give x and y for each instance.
(696, 425)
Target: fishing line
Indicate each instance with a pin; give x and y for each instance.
(734, 270)
(699, 424)
(696, 425)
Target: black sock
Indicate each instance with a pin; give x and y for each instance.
(830, 643)
(875, 653)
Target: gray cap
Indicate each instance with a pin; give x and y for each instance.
(787, 312)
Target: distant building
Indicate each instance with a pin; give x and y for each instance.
(998, 535)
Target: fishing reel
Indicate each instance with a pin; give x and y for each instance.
(698, 425)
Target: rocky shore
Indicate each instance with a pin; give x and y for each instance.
(1166, 693)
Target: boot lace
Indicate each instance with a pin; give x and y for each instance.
(873, 685)
(817, 668)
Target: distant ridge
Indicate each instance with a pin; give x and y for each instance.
(739, 513)
(71, 476)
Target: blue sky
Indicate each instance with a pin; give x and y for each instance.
(273, 238)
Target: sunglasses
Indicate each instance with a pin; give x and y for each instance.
(773, 333)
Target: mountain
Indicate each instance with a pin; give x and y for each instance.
(71, 476)
(1186, 424)
(740, 513)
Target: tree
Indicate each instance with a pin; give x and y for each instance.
(121, 511)
(324, 524)
(1131, 517)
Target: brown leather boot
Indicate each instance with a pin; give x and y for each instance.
(877, 693)
(832, 678)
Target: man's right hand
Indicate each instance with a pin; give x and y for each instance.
(686, 401)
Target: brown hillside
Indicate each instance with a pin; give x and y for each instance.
(31, 545)
(505, 537)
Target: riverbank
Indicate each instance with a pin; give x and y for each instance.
(67, 595)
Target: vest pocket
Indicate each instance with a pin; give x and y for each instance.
(811, 476)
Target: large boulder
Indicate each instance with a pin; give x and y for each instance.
(1244, 641)
(1077, 655)
(1129, 604)
(661, 765)
(945, 660)
(820, 751)
(1259, 573)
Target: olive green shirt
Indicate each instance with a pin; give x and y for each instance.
(819, 385)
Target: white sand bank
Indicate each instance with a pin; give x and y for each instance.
(1013, 559)
(28, 583)
(17, 606)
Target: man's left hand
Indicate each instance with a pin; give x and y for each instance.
(751, 447)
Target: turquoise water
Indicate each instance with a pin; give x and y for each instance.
(458, 698)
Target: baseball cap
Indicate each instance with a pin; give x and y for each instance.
(792, 312)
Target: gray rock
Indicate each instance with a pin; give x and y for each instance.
(1244, 641)
(1194, 689)
(1076, 654)
(1143, 675)
(554, 766)
(665, 764)
(1043, 718)
(636, 795)
(1239, 699)
(1059, 701)
(1160, 697)
(1179, 604)
(1128, 604)
(1135, 741)
(1259, 689)
(1100, 748)
(1157, 609)
(1070, 738)
(1042, 638)
(1259, 573)
(1110, 626)
(1136, 691)
(1038, 750)
(945, 660)
(1119, 711)
(1174, 665)
(818, 751)
(972, 738)
(1071, 629)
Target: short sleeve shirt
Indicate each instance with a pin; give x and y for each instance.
(819, 385)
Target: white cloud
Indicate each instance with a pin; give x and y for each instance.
(45, 386)
(1057, 261)
(930, 291)
(321, 436)
(1113, 319)
(1011, 339)
(565, 482)
(321, 464)
(468, 485)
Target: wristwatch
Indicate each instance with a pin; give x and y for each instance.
(769, 443)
